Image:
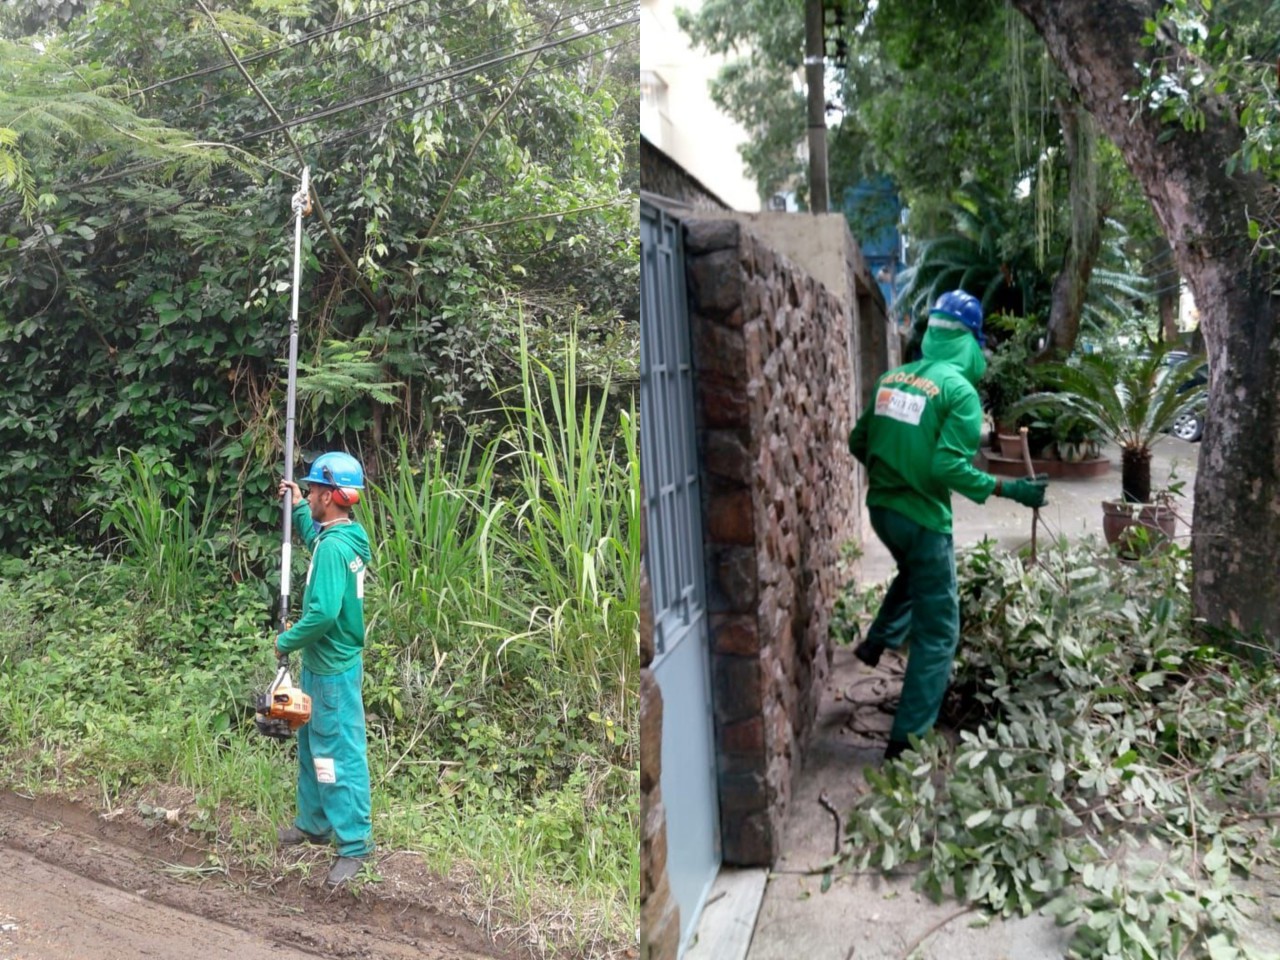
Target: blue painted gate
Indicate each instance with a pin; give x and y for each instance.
(673, 557)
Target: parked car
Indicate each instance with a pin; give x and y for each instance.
(1189, 426)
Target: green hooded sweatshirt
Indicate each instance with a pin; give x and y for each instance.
(331, 631)
(919, 436)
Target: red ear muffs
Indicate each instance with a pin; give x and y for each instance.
(342, 496)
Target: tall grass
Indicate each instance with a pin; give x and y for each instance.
(500, 672)
(169, 545)
(431, 525)
(575, 526)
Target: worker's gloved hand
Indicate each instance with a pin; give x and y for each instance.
(1029, 493)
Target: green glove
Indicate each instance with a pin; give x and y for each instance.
(1029, 493)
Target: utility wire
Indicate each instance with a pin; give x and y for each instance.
(358, 45)
(335, 110)
(381, 120)
(306, 38)
(236, 91)
(225, 178)
(361, 284)
(457, 62)
(425, 81)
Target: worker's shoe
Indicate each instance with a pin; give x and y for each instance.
(895, 749)
(344, 869)
(868, 652)
(288, 836)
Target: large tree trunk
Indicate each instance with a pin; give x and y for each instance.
(1204, 213)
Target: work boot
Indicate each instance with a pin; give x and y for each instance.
(288, 836)
(868, 653)
(895, 749)
(344, 869)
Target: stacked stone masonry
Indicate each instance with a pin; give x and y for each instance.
(775, 401)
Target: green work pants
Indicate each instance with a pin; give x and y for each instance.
(922, 605)
(333, 768)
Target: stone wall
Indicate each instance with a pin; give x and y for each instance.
(661, 175)
(659, 913)
(776, 397)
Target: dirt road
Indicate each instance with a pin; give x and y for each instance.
(74, 886)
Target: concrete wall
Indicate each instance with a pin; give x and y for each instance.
(776, 398)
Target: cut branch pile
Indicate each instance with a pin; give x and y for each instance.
(1114, 769)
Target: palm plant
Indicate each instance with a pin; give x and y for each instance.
(1132, 401)
(992, 255)
(986, 254)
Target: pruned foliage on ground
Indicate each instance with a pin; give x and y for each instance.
(1111, 769)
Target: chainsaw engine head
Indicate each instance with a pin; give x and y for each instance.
(282, 709)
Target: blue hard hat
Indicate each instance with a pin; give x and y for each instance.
(337, 469)
(963, 308)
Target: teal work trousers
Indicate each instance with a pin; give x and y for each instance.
(333, 765)
(921, 606)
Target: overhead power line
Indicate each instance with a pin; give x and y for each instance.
(385, 77)
(426, 81)
(343, 107)
(380, 120)
(306, 38)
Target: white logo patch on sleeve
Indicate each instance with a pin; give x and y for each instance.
(325, 772)
(899, 405)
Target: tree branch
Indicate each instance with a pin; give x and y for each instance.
(361, 284)
(466, 161)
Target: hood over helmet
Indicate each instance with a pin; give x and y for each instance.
(954, 334)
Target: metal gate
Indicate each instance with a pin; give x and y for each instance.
(673, 557)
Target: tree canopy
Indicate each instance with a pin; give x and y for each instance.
(943, 95)
(957, 103)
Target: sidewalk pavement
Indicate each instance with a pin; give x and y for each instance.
(872, 917)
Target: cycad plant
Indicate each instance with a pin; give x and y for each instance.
(1130, 400)
(987, 252)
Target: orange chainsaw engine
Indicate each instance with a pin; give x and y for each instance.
(283, 708)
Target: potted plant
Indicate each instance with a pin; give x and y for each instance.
(1007, 381)
(1076, 438)
(1130, 401)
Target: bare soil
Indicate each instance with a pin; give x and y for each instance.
(78, 884)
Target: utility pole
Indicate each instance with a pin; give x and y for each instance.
(814, 54)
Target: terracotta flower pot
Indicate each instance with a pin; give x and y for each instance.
(1011, 446)
(1119, 519)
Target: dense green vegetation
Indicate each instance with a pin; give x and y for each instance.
(1007, 186)
(468, 327)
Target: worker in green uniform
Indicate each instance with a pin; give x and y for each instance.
(917, 440)
(333, 772)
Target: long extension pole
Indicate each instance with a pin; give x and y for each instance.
(301, 207)
(1031, 475)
